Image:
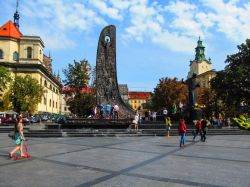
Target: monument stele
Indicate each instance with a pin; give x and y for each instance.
(107, 90)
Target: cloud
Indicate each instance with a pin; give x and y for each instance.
(55, 21)
(169, 25)
(112, 12)
(230, 18)
(184, 18)
(148, 21)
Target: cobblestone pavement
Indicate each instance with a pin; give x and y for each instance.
(128, 161)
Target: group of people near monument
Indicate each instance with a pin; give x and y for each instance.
(106, 112)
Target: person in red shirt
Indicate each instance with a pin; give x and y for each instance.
(182, 132)
(198, 129)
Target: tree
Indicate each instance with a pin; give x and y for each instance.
(5, 78)
(77, 75)
(77, 78)
(26, 93)
(6, 103)
(81, 104)
(232, 85)
(169, 92)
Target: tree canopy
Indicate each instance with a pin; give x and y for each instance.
(77, 76)
(169, 92)
(26, 93)
(232, 85)
(5, 78)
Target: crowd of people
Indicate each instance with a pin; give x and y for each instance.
(106, 112)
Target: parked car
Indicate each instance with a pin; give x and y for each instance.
(34, 119)
(25, 121)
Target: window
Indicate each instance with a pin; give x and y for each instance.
(15, 56)
(56, 104)
(45, 83)
(65, 108)
(29, 52)
(50, 102)
(53, 104)
(44, 101)
(1, 54)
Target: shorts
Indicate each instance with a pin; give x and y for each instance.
(168, 128)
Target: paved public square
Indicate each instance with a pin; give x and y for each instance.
(128, 161)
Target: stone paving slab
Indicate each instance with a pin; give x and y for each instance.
(217, 153)
(43, 174)
(125, 181)
(128, 161)
(104, 158)
(201, 171)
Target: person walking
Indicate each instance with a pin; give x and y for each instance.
(203, 129)
(19, 137)
(154, 115)
(116, 111)
(182, 132)
(101, 110)
(168, 125)
(136, 120)
(197, 129)
(140, 118)
(108, 108)
(165, 113)
(95, 112)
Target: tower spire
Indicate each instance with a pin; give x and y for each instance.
(200, 49)
(16, 16)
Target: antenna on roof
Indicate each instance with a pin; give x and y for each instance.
(16, 16)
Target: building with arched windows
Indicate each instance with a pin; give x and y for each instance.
(24, 55)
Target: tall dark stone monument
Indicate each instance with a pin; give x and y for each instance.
(107, 90)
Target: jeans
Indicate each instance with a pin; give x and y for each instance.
(197, 131)
(183, 137)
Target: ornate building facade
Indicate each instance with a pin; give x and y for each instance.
(24, 55)
(202, 68)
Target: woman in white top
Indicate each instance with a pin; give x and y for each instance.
(136, 120)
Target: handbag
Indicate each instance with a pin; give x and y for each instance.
(18, 139)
